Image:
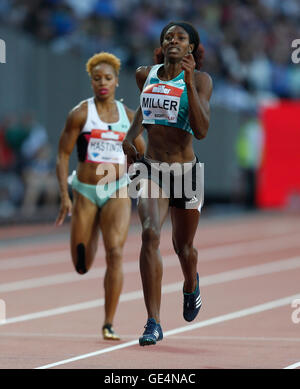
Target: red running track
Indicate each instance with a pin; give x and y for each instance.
(249, 278)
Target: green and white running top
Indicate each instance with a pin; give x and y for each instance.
(165, 102)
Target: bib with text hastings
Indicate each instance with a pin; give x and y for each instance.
(106, 146)
(161, 101)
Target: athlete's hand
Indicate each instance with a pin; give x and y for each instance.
(130, 152)
(65, 209)
(188, 64)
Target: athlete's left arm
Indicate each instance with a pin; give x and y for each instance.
(138, 142)
(199, 88)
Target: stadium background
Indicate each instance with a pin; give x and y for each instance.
(247, 53)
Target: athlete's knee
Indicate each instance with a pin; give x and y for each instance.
(114, 257)
(80, 260)
(151, 237)
(185, 251)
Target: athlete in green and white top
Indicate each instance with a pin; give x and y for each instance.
(165, 102)
(174, 109)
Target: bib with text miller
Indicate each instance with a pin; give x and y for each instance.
(161, 102)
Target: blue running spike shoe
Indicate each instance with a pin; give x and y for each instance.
(152, 333)
(192, 303)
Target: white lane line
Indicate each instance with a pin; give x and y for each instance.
(205, 323)
(232, 275)
(267, 243)
(227, 338)
(49, 257)
(64, 278)
(56, 279)
(31, 260)
(293, 366)
(127, 336)
(209, 254)
(247, 228)
(248, 248)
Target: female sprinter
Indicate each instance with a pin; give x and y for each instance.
(174, 108)
(100, 200)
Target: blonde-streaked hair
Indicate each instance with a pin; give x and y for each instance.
(103, 57)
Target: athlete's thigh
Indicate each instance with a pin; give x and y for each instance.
(184, 225)
(115, 219)
(152, 206)
(84, 221)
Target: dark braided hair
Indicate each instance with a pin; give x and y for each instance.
(198, 51)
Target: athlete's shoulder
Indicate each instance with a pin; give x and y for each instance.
(129, 112)
(203, 77)
(141, 75)
(203, 82)
(143, 70)
(79, 112)
(80, 107)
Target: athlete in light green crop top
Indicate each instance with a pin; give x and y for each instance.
(174, 109)
(165, 102)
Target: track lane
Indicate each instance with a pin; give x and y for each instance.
(254, 290)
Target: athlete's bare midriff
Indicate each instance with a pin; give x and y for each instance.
(87, 172)
(169, 144)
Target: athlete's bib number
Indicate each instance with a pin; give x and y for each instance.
(106, 146)
(161, 102)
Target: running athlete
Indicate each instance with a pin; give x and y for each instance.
(100, 199)
(174, 108)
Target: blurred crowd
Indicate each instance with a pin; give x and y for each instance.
(247, 42)
(248, 48)
(28, 184)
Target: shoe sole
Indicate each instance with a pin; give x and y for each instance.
(148, 341)
(190, 319)
(111, 338)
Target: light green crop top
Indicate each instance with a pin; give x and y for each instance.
(165, 102)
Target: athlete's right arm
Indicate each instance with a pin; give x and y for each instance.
(67, 141)
(136, 127)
